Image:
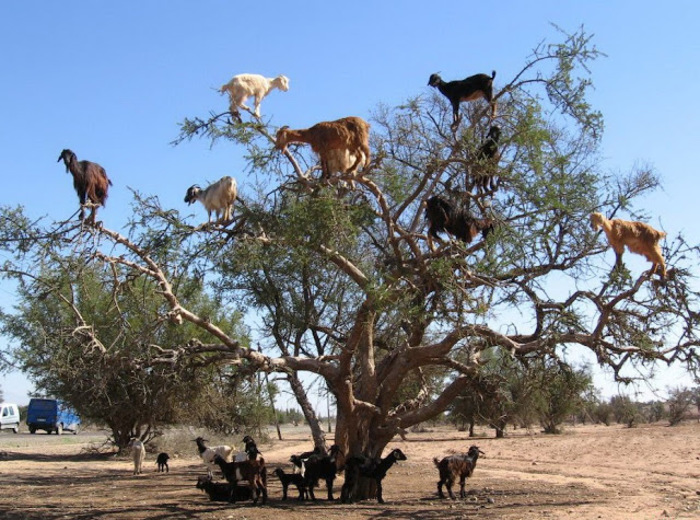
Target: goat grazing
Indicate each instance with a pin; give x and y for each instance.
(456, 467)
(162, 462)
(138, 452)
(89, 180)
(444, 216)
(323, 467)
(375, 469)
(329, 139)
(640, 238)
(486, 161)
(250, 470)
(292, 478)
(207, 454)
(222, 491)
(218, 197)
(242, 86)
(469, 89)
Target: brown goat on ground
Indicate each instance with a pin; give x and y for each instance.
(456, 467)
(639, 238)
(327, 138)
(89, 180)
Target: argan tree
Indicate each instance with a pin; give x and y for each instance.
(346, 288)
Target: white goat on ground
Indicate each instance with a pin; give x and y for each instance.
(138, 452)
(242, 86)
(209, 453)
(218, 197)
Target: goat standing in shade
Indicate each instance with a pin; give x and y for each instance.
(639, 238)
(89, 180)
(356, 467)
(242, 86)
(469, 89)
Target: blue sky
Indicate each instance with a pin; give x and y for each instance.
(111, 80)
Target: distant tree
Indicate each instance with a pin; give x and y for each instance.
(559, 392)
(603, 413)
(679, 402)
(2, 395)
(625, 411)
(92, 346)
(655, 411)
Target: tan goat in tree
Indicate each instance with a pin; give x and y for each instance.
(639, 238)
(328, 139)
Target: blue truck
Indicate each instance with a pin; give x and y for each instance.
(51, 415)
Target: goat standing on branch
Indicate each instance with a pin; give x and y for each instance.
(242, 86)
(444, 216)
(469, 89)
(484, 170)
(330, 140)
(639, 238)
(218, 197)
(89, 180)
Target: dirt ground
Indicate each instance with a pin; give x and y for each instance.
(589, 472)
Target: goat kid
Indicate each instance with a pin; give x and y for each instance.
(292, 478)
(218, 197)
(640, 238)
(456, 467)
(162, 462)
(357, 467)
(242, 86)
(469, 89)
(444, 216)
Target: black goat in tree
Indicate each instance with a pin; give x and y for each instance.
(89, 180)
(483, 174)
(468, 89)
(375, 469)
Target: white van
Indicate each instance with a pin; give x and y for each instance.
(9, 417)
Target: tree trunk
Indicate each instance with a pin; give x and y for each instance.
(307, 409)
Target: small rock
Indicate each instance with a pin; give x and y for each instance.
(490, 500)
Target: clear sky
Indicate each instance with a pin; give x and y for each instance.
(111, 81)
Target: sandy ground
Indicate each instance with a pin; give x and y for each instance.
(612, 473)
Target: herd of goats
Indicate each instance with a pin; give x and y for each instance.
(342, 147)
(245, 472)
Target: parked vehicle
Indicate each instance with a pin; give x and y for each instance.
(9, 417)
(51, 415)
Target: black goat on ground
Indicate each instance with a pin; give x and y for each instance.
(469, 89)
(250, 470)
(444, 216)
(299, 460)
(375, 469)
(162, 461)
(292, 478)
(486, 161)
(89, 180)
(323, 467)
(456, 467)
(222, 491)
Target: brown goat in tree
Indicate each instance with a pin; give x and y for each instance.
(326, 138)
(89, 180)
(639, 238)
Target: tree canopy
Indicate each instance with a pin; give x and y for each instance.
(342, 280)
